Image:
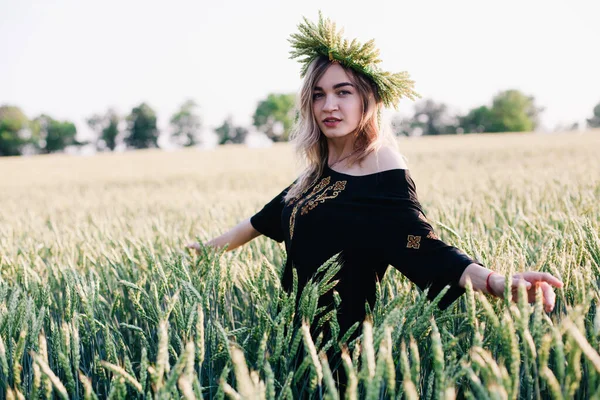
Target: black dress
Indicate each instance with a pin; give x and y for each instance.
(374, 221)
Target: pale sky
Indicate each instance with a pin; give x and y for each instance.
(71, 59)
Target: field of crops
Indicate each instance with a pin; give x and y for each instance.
(99, 299)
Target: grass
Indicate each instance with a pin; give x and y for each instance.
(99, 300)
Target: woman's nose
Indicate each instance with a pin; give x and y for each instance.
(330, 104)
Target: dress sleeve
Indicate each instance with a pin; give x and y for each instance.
(417, 252)
(268, 220)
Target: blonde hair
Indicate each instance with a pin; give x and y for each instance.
(310, 144)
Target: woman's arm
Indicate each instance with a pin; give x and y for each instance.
(240, 234)
(481, 276)
(478, 276)
(267, 222)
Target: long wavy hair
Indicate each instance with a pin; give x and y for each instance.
(310, 144)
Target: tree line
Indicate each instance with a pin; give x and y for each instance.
(508, 111)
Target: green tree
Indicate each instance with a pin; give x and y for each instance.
(511, 111)
(54, 135)
(514, 111)
(141, 128)
(107, 129)
(14, 131)
(275, 116)
(594, 122)
(478, 120)
(186, 124)
(229, 133)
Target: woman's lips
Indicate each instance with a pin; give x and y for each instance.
(331, 123)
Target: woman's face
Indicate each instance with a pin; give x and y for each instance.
(337, 105)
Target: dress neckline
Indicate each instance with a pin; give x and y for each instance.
(363, 176)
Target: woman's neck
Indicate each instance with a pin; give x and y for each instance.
(338, 148)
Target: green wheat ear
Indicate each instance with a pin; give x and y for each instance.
(324, 39)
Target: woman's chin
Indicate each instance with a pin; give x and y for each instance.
(334, 133)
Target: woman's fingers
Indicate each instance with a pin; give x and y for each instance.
(548, 295)
(518, 280)
(533, 276)
(193, 246)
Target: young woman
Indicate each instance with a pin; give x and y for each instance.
(356, 196)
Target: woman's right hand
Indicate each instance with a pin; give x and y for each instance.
(237, 236)
(195, 246)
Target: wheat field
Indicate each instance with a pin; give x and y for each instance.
(99, 299)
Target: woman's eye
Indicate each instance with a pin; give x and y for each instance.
(317, 96)
(344, 92)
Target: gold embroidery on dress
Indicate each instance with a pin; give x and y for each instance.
(432, 235)
(324, 182)
(309, 204)
(414, 242)
(337, 188)
(422, 217)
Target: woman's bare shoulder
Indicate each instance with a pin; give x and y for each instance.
(387, 158)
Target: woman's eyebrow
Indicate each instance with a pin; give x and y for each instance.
(336, 86)
(339, 85)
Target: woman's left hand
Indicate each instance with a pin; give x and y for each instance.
(532, 280)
